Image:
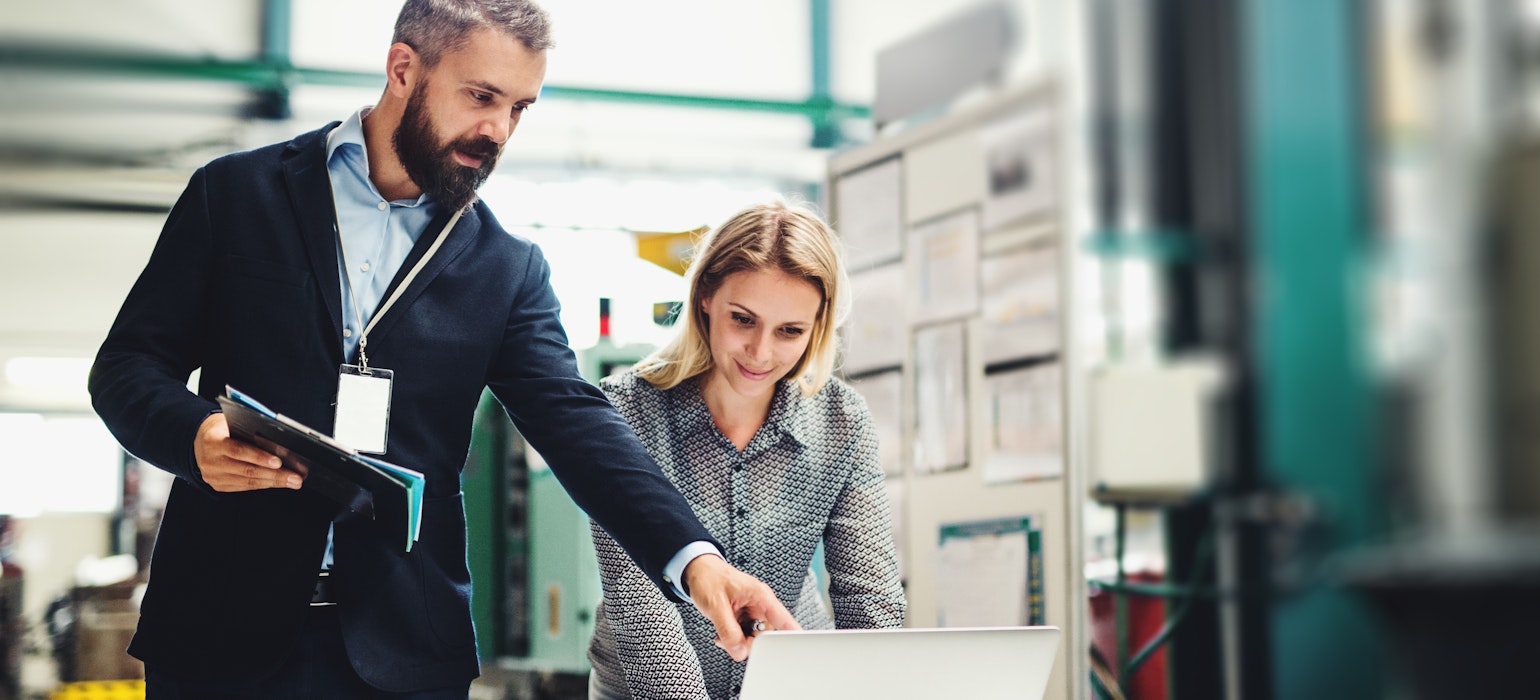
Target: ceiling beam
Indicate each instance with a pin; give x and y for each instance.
(273, 73)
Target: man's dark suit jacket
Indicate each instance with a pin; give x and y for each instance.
(243, 283)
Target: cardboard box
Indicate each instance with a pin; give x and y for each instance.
(107, 618)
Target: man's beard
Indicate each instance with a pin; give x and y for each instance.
(430, 162)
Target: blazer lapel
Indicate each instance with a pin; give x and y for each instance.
(456, 242)
(310, 191)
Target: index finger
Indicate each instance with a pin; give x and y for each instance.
(769, 609)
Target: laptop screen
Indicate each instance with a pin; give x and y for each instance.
(985, 663)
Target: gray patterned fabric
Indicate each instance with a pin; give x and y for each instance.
(810, 474)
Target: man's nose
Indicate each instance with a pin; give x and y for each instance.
(497, 130)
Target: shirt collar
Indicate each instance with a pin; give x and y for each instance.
(351, 133)
(351, 130)
(690, 414)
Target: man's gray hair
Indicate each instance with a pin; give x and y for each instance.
(433, 27)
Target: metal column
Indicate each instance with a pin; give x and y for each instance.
(1308, 212)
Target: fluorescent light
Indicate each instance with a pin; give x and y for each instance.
(47, 372)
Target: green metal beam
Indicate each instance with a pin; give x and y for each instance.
(277, 32)
(264, 74)
(826, 132)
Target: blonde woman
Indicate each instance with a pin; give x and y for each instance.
(773, 453)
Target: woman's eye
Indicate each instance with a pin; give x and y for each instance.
(742, 320)
(791, 332)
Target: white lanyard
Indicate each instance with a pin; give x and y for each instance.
(347, 278)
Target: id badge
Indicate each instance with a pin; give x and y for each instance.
(363, 408)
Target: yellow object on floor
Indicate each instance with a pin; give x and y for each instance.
(100, 690)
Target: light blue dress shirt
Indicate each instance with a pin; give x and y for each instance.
(376, 237)
(376, 234)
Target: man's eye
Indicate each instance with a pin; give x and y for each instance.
(481, 96)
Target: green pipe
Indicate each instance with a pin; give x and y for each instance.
(1173, 620)
(808, 108)
(1154, 590)
(1120, 603)
(270, 75)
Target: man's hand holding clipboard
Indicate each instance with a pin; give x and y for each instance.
(227, 464)
(386, 493)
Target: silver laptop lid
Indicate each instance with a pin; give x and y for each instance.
(984, 663)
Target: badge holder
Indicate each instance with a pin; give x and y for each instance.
(363, 407)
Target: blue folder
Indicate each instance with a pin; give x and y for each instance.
(389, 494)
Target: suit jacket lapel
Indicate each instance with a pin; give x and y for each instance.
(310, 190)
(458, 240)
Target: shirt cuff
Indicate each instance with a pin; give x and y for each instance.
(673, 574)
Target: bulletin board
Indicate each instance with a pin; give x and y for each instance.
(959, 313)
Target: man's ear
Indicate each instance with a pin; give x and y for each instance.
(403, 68)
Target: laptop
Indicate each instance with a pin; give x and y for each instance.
(981, 663)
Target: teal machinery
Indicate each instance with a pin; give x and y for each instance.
(531, 557)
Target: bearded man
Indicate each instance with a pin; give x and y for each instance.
(350, 280)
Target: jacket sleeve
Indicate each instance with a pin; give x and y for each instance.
(590, 448)
(650, 640)
(862, 561)
(138, 383)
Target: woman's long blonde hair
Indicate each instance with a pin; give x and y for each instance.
(774, 236)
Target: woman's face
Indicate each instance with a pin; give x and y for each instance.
(760, 324)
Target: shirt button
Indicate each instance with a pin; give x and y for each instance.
(742, 512)
(382, 206)
(737, 467)
(347, 332)
(364, 267)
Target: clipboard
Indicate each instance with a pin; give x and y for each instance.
(388, 494)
